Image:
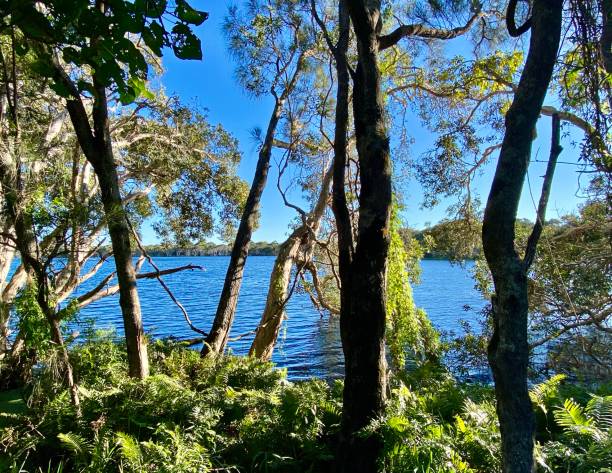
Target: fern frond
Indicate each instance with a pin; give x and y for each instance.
(540, 393)
(571, 415)
(75, 443)
(129, 447)
(599, 408)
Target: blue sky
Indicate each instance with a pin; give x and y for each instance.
(210, 83)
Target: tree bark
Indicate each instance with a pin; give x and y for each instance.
(299, 242)
(97, 147)
(224, 317)
(363, 270)
(508, 350)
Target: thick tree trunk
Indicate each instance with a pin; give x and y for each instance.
(120, 234)
(508, 350)
(363, 312)
(97, 147)
(299, 242)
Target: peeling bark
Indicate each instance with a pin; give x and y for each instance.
(224, 317)
(300, 242)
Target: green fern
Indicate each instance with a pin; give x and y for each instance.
(130, 450)
(79, 446)
(542, 393)
(599, 408)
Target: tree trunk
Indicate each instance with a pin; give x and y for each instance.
(363, 311)
(300, 241)
(120, 234)
(58, 340)
(7, 253)
(97, 147)
(508, 350)
(217, 338)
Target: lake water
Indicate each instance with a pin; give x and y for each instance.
(309, 344)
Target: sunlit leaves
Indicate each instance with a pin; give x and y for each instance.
(108, 42)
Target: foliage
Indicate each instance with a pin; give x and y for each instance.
(241, 414)
(99, 38)
(408, 328)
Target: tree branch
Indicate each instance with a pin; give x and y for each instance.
(555, 151)
(422, 31)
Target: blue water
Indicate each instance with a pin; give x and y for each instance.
(309, 344)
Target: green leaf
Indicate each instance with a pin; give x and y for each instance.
(21, 49)
(32, 22)
(186, 13)
(153, 37)
(140, 88)
(60, 89)
(85, 86)
(42, 68)
(151, 8)
(185, 44)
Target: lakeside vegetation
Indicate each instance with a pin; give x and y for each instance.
(241, 414)
(93, 151)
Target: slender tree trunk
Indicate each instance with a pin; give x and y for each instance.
(224, 317)
(300, 241)
(508, 350)
(217, 338)
(363, 270)
(58, 340)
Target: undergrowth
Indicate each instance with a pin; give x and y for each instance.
(234, 414)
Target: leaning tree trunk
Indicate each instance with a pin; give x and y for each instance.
(363, 312)
(508, 350)
(301, 241)
(216, 340)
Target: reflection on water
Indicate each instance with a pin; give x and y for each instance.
(309, 345)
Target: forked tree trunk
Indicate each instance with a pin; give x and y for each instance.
(508, 350)
(363, 271)
(216, 340)
(300, 242)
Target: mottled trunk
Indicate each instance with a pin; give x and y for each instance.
(363, 312)
(300, 242)
(7, 253)
(508, 350)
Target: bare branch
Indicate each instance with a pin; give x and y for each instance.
(423, 31)
(555, 151)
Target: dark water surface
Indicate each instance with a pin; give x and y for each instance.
(309, 345)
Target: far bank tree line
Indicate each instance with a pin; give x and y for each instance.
(89, 152)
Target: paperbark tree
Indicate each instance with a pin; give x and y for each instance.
(55, 28)
(217, 338)
(508, 350)
(280, 63)
(295, 250)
